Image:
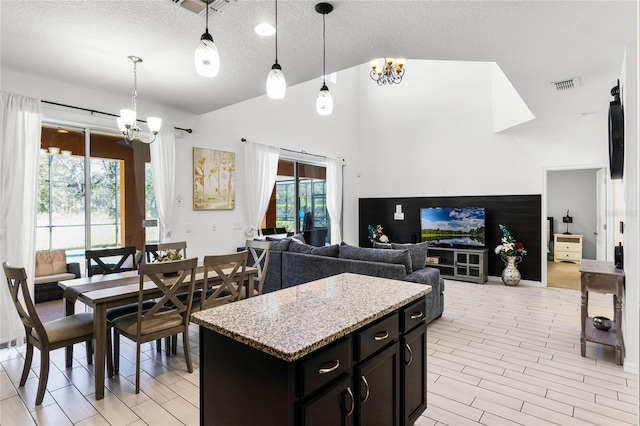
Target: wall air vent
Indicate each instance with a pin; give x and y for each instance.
(199, 6)
(571, 83)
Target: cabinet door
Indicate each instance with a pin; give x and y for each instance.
(414, 374)
(333, 407)
(378, 389)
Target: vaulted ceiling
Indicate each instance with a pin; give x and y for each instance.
(86, 43)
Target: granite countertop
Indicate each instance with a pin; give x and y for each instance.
(296, 321)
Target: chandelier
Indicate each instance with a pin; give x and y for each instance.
(387, 70)
(127, 120)
(324, 101)
(206, 58)
(276, 83)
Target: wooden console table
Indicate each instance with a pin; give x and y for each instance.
(601, 277)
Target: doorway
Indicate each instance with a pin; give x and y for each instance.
(575, 208)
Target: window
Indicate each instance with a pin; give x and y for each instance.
(298, 203)
(110, 212)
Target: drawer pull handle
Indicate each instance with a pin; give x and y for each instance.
(417, 315)
(330, 369)
(366, 394)
(410, 354)
(353, 402)
(381, 336)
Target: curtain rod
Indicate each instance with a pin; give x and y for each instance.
(244, 140)
(93, 111)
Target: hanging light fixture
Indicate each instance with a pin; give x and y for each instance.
(387, 70)
(324, 103)
(206, 57)
(276, 83)
(127, 120)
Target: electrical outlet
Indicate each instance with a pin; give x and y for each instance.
(213, 226)
(187, 227)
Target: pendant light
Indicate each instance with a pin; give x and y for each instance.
(276, 83)
(324, 103)
(206, 57)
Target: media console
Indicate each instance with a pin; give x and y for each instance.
(464, 264)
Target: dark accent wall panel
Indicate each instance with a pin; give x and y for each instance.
(519, 213)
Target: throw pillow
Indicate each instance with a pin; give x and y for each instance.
(282, 245)
(376, 255)
(298, 238)
(300, 248)
(418, 253)
(381, 245)
(329, 251)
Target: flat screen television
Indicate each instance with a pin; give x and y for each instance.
(453, 226)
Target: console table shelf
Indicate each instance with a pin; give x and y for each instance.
(461, 264)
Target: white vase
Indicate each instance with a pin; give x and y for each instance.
(510, 274)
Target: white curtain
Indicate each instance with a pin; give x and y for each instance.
(261, 170)
(334, 197)
(19, 158)
(163, 166)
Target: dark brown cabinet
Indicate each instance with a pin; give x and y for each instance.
(374, 376)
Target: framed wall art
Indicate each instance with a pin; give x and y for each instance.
(214, 186)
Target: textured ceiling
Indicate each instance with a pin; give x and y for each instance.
(86, 42)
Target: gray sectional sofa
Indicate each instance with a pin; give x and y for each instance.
(292, 262)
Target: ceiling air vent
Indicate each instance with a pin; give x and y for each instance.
(199, 6)
(569, 84)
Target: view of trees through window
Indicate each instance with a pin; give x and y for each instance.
(300, 198)
(61, 210)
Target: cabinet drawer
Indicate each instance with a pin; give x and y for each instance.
(569, 247)
(413, 314)
(326, 366)
(377, 336)
(568, 255)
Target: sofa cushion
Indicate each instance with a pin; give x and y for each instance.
(381, 245)
(54, 278)
(329, 251)
(281, 245)
(51, 262)
(418, 253)
(300, 248)
(298, 238)
(376, 255)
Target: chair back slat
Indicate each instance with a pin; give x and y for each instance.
(96, 260)
(227, 286)
(17, 282)
(169, 303)
(259, 252)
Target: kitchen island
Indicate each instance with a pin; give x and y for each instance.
(348, 349)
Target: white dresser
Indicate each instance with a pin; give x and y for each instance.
(567, 248)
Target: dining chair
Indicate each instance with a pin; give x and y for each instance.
(152, 251)
(45, 336)
(258, 257)
(167, 317)
(110, 261)
(228, 286)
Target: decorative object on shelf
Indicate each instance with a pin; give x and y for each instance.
(511, 253)
(602, 323)
(206, 58)
(127, 120)
(324, 103)
(567, 219)
(276, 83)
(214, 179)
(387, 70)
(376, 235)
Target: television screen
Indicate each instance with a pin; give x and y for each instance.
(462, 226)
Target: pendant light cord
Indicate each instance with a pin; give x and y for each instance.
(276, 31)
(324, 51)
(207, 15)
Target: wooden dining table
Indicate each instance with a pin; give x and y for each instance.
(102, 292)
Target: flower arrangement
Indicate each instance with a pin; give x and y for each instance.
(376, 235)
(509, 246)
(169, 256)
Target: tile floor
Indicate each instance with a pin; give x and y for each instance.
(499, 355)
